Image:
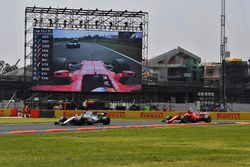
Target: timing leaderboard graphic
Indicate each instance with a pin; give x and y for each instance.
(86, 61)
(42, 45)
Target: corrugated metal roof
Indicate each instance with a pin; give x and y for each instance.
(171, 53)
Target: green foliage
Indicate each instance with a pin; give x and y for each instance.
(215, 146)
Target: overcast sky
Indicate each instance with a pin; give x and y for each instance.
(192, 24)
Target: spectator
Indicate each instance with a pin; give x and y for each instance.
(157, 108)
(164, 109)
(25, 111)
(170, 108)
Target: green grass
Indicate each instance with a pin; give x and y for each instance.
(201, 146)
(26, 120)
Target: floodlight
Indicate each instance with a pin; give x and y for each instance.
(65, 23)
(96, 23)
(48, 9)
(78, 10)
(126, 24)
(85, 24)
(33, 8)
(50, 22)
(35, 22)
(110, 25)
(64, 9)
(80, 23)
(141, 28)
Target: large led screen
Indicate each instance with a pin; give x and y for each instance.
(86, 61)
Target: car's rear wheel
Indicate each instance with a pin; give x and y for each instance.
(208, 118)
(62, 119)
(169, 117)
(193, 121)
(90, 123)
(123, 80)
(60, 64)
(184, 119)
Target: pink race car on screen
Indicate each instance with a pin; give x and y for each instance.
(91, 76)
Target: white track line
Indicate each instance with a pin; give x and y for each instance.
(120, 54)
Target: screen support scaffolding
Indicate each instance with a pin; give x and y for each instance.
(82, 19)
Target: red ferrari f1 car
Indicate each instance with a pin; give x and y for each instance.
(91, 76)
(187, 117)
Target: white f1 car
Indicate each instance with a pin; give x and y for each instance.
(87, 118)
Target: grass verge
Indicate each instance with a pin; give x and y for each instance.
(26, 120)
(215, 146)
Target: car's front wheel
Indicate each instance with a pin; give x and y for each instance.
(106, 120)
(120, 65)
(60, 64)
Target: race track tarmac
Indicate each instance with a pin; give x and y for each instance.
(15, 129)
(6, 129)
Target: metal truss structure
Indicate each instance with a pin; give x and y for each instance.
(81, 19)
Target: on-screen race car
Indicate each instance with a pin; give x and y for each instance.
(88, 118)
(73, 44)
(189, 116)
(90, 76)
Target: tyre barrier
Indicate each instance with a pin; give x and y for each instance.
(8, 112)
(36, 113)
(156, 114)
(120, 114)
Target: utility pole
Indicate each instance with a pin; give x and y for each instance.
(222, 55)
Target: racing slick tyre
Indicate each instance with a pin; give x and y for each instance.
(184, 119)
(120, 65)
(62, 119)
(85, 121)
(208, 118)
(123, 80)
(106, 120)
(193, 121)
(60, 64)
(167, 118)
(90, 123)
